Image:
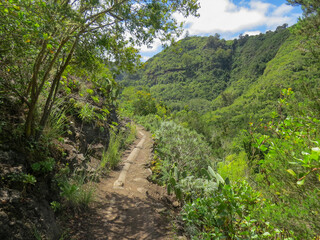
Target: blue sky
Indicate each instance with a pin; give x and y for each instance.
(230, 18)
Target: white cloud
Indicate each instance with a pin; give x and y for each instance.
(156, 45)
(229, 19)
(223, 16)
(252, 33)
(282, 10)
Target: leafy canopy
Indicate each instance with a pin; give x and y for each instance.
(42, 37)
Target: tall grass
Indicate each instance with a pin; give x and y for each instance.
(77, 191)
(57, 122)
(112, 156)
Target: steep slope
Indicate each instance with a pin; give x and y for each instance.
(196, 70)
(259, 98)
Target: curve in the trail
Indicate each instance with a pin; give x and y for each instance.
(119, 183)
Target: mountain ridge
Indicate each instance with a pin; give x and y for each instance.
(202, 68)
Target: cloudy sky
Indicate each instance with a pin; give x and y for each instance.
(230, 18)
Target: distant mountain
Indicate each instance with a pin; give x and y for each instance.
(229, 83)
(196, 70)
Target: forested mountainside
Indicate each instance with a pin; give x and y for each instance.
(235, 123)
(226, 84)
(196, 70)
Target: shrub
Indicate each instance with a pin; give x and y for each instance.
(234, 167)
(187, 150)
(227, 214)
(151, 122)
(284, 154)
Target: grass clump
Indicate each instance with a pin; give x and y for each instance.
(111, 157)
(118, 141)
(77, 191)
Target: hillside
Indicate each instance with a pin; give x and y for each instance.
(226, 84)
(196, 70)
(234, 125)
(250, 99)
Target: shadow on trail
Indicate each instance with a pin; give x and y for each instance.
(122, 217)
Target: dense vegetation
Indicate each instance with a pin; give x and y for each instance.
(58, 122)
(236, 123)
(251, 107)
(196, 70)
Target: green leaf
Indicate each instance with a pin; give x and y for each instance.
(176, 173)
(204, 172)
(211, 172)
(172, 182)
(301, 182)
(45, 36)
(178, 193)
(219, 178)
(227, 181)
(263, 148)
(292, 172)
(266, 234)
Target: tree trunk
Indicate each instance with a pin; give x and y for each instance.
(53, 92)
(36, 88)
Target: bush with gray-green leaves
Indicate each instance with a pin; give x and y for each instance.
(183, 148)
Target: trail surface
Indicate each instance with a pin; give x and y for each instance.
(130, 210)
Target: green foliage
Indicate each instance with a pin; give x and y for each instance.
(111, 157)
(131, 134)
(196, 70)
(234, 167)
(309, 26)
(215, 209)
(75, 191)
(145, 109)
(50, 34)
(140, 103)
(56, 206)
(57, 122)
(87, 113)
(187, 150)
(174, 74)
(26, 178)
(144, 104)
(151, 122)
(118, 141)
(44, 166)
(285, 164)
(227, 214)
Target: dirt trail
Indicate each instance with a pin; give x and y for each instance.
(132, 212)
